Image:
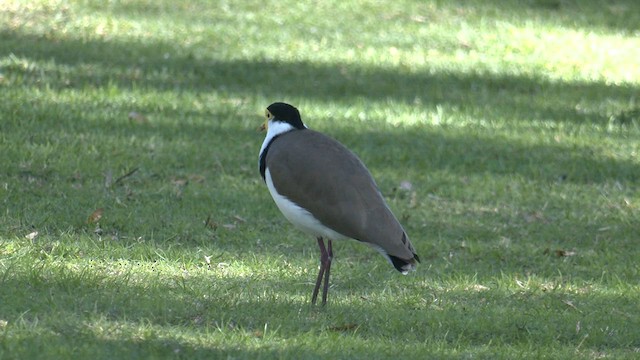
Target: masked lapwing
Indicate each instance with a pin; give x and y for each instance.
(326, 191)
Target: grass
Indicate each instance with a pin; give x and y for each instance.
(134, 223)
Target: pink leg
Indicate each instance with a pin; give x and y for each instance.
(325, 290)
(325, 268)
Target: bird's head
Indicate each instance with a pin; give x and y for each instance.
(280, 112)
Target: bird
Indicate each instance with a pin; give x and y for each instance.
(326, 191)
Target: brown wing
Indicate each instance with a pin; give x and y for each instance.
(350, 202)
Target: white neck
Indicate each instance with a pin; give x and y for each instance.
(274, 129)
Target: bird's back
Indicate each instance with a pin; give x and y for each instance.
(351, 202)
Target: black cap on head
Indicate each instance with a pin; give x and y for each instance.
(286, 113)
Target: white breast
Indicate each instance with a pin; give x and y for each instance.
(274, 129)
(298, 216)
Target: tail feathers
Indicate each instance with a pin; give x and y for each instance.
(402, 265)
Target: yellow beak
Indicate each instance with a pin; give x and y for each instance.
(265, 125)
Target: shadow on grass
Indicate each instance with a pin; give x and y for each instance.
(456, 151)
(475, 154)
(510, 98)
(168, 67)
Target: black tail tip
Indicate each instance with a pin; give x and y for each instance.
(404, 266)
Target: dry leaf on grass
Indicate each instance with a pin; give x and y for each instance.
(533, 217)
(95, 216)
(560, 252)
(196, 178)
(565, 253)
(179, 181)
(210, 223)
(239, 218)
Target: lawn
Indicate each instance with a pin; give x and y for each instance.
(134, 224)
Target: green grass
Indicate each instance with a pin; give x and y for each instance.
(517, 124)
